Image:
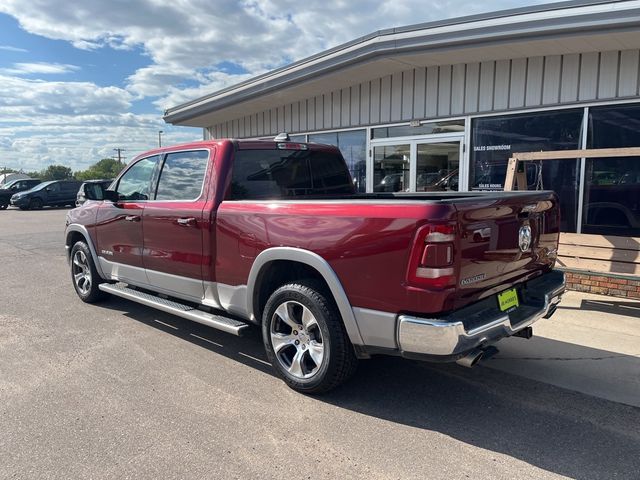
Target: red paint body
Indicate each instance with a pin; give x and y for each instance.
(368, 240)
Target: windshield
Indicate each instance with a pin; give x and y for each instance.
(8, 184)
(42, 185)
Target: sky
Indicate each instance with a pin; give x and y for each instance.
(80, 79)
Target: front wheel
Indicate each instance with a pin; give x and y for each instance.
(305, 338)
(84, 274)
(35, 204)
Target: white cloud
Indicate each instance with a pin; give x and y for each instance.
(73, 123)
(39, 68)
(9, 48)
(194, 47)
(186, 40)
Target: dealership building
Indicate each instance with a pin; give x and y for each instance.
(443, 105)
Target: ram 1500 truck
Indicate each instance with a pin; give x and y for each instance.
(233, 233)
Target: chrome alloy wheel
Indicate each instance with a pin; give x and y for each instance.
(296, 339)
(81, 272)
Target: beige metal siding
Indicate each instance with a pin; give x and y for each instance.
(448, 90)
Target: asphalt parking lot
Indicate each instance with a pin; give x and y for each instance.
(118, 390)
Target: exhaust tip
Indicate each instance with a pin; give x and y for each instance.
(472, 358)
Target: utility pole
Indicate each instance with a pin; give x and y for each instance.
(119, 150)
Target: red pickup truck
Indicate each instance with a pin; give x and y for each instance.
(234, 233)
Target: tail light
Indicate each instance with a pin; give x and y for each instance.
(432, 257)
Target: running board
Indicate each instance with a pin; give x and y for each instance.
(219, 322)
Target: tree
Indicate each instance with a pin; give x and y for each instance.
(56, 172)
(105, 168)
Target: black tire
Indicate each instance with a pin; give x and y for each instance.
(81, 264)
(3, 206)
(35, 204)
(338, 361)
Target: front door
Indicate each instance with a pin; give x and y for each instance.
(417, 164)
(174, 226)
(119, 225)
(437, 166)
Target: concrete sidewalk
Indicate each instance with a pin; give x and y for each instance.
(591, 345)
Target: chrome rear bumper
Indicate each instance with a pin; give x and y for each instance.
(482, 323)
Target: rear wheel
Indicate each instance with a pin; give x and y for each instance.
(35, 204)
(84, 274)
(305, 338)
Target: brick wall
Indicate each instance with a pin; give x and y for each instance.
(603, 284)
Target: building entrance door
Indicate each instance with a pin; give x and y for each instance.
(417, 165)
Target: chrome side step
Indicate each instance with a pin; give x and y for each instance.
(219, 322)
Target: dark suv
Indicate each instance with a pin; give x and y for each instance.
(13, 187)
(56, 193)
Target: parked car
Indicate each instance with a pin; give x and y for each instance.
(97, 188)
(14, 186)
(9, 177)
(55, 193)
(233, 233)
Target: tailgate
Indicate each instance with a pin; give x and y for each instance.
(504, 239)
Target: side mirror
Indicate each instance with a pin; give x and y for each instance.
(110, 195)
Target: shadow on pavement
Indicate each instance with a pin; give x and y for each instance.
(629, 309)
(558, 430)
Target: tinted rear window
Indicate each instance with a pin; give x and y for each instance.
(282, 174)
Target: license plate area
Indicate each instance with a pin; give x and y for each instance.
(508, 300)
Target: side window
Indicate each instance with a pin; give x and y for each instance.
(182, 176)
(135, 184)
(53, 188)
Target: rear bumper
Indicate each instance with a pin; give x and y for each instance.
(480, 324)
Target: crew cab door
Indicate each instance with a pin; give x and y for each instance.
(174, 225)
(119, 224)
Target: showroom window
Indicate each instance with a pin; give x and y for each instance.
(612, 185)
(494, 139)
(353, 145)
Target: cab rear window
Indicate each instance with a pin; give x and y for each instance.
(285, 174)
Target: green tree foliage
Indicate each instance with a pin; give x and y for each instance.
(105, 168)
(56, 172)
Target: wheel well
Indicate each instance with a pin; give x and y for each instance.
(278, 273)
(74, 237)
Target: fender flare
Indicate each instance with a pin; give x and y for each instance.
(319, 264)
(81, 229)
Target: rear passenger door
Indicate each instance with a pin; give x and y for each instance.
(174, 225)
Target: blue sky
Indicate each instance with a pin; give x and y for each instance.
(80, 79)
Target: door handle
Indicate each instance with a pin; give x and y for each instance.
(132, 218)
(187, 222)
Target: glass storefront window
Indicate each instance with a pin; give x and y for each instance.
(353, 145)
(391, 168)
(438, 165)
(453, 126)
(494, 139)
(612, 185)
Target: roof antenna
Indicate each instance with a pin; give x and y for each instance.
(282, 137)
